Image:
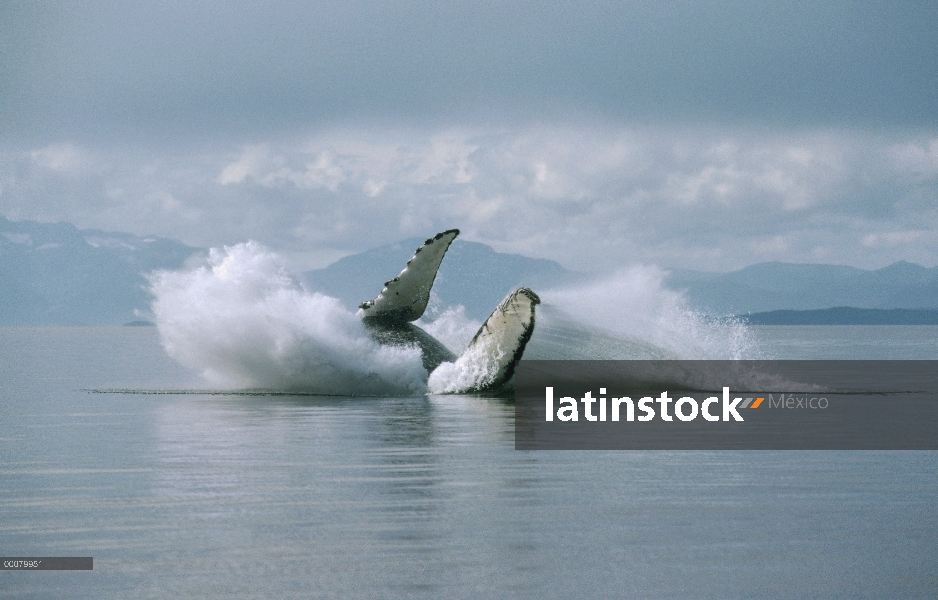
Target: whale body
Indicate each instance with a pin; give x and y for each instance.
(494, 350)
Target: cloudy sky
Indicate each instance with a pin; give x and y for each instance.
(707, 135)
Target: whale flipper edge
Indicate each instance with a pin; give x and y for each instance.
(405, 298)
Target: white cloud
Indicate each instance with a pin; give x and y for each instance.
(593, 198)
(893, 239)
(67, 159)
(445, 161)
(250, 162)
(919, 157)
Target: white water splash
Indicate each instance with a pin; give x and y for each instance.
(450, 325)
(632, 315)
(243, 322)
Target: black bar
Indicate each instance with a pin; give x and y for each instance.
(47, 563)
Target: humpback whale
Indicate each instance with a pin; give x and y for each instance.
(496, 347)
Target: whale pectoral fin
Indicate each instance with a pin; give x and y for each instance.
(490, 359)
(504, 335)
(405, 297)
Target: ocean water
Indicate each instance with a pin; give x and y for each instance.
(218, 495)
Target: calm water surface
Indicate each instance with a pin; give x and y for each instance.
(214, 496)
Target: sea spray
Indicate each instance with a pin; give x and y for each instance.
(449, 324)
(244, 322)
(473, 370)
(632, 315)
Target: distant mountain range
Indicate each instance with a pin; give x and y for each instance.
(844, 315)
(472, 274)
(56, 274)
(782, 286)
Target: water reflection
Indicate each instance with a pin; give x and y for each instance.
(380, 477)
